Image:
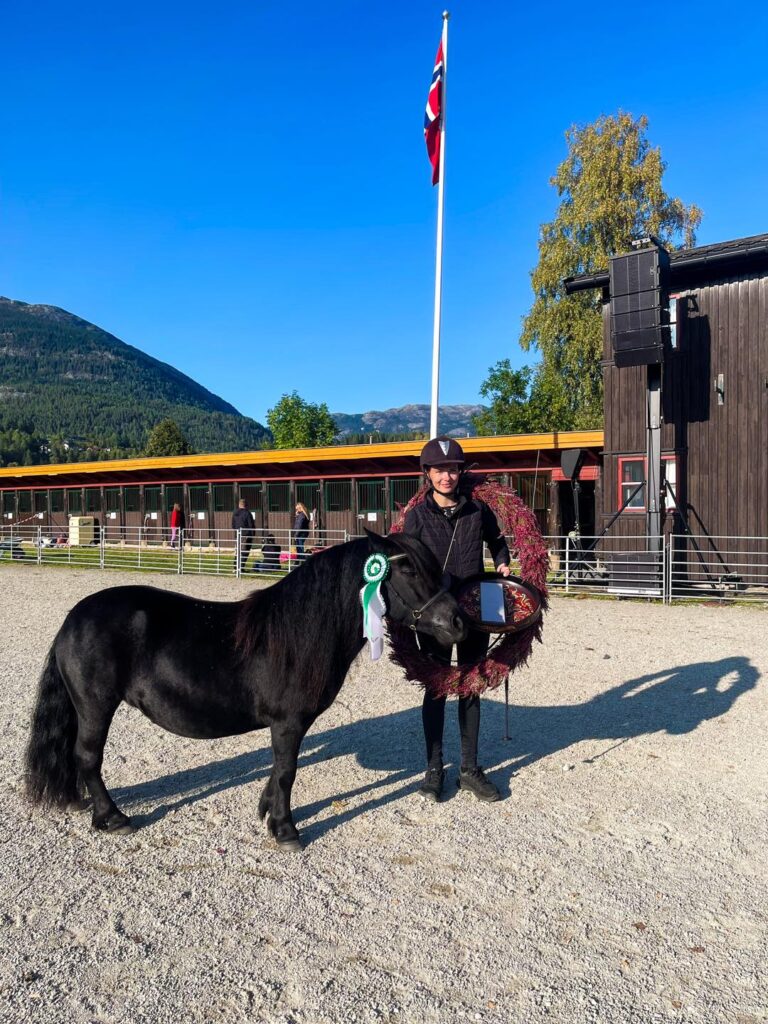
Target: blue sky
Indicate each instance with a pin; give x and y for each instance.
(242, 190)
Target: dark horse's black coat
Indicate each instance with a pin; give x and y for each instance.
(206, 669)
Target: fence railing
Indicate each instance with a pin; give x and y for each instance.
(686, 567)
(718, 568)
(211, 552)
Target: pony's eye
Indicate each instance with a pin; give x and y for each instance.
(407, 570)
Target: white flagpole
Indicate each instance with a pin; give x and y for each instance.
(439, 246)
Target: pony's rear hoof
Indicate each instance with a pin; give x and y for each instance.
(115, 825)
(76, 806)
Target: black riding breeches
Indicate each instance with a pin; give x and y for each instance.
(433, 708)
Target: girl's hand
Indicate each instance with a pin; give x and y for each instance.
(504, 570)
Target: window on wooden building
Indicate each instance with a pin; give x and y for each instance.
(9, 502)
(632, 473)
(41, 501)
(112, 499)
(25, 502)
(669, 473)
(57, 500)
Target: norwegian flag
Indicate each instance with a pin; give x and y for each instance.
(433, 115)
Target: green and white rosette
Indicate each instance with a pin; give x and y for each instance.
(375, 571)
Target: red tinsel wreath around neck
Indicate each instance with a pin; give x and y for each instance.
(519, 526)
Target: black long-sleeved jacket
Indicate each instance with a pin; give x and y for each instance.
(242, 519)
(473, 523)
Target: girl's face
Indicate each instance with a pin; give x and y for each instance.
(444, 477)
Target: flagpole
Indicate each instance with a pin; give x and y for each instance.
(439, 244)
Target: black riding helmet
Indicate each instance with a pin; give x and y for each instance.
(439, 450)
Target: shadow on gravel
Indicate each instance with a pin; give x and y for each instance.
(675, 701)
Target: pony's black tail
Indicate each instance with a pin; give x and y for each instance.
(52, 775)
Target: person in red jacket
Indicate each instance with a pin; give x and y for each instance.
(454, 526)
(177, 523)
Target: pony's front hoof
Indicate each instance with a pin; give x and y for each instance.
(286, 837)
(289, 845)
(115, 824)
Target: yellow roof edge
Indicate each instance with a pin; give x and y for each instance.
(554, 441)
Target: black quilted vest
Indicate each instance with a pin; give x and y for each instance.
(473, 523)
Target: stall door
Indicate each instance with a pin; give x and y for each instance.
(253, 497)
(132, 513)
(198, 520)
(113, 515)
(338, 516)
(223, 507)
(401, 490)
(153, 514)
(371, 506)
(57, 516)
(279, 512)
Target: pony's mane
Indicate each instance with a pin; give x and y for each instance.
(302, 622)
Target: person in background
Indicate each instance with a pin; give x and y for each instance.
(453, 526)
(300, 528)
(242, 520)
(270, 555)
(177, 523)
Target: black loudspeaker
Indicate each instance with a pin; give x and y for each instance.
(571, 462)
(639, 287)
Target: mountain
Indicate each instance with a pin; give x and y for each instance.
(62, 376)
(454, 420)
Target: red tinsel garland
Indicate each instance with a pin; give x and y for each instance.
(517, 522)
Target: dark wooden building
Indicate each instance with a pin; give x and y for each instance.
(714, 436)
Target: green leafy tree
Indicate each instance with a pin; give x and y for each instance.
(510, 411)
(298, 424)
(166, 439)
(611, 192)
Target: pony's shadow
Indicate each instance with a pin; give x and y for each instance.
(673, 701)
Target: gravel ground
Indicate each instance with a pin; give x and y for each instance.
(621, 879)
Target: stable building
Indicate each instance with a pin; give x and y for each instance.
(349, 487)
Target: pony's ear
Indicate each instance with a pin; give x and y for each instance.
(377, 542)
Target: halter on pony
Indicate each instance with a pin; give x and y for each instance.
(376, 570)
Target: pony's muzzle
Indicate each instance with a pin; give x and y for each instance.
(447, 627)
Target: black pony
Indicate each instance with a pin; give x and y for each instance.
(207, 669)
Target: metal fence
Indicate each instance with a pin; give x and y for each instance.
(269, 553)
(687, 567)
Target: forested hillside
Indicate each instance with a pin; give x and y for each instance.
(69, 390)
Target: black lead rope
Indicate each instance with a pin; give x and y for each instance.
(506, 709)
